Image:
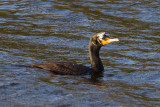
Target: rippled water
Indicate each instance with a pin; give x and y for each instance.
(59, 30)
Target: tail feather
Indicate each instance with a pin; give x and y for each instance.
(40, 65)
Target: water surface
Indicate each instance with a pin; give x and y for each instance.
(59, 30)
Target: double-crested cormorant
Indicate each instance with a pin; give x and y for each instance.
(96, 42)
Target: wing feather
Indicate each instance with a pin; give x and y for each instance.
(63, 68)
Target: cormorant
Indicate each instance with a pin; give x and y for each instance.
(67, 68)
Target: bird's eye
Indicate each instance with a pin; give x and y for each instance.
(105, 36)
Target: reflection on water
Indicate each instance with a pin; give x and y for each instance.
(46, 31)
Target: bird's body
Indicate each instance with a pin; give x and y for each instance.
(64, 68)
(67, 68)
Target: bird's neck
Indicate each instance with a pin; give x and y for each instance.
(96, 62)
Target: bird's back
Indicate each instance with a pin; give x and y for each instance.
(63, 68)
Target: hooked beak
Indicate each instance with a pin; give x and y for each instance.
(109, 40)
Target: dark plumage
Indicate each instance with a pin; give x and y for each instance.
(64, 68)
(68, 68)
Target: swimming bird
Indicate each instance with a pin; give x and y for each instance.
(67, 68)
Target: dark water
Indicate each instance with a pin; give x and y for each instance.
(34, 31)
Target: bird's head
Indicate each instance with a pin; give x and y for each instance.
(103, 38)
